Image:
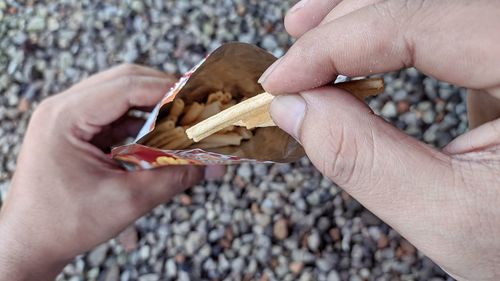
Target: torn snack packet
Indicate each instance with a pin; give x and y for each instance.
(213, 88)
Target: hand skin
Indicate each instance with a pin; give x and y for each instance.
(446, 202)
(67, 195)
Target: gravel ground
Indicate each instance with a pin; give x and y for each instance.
(262, 222)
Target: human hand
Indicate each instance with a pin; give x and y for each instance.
(67, 195)
(444, 202)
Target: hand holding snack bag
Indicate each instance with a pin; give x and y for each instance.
(219, 114)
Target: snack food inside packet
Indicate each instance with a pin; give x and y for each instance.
(170, 132)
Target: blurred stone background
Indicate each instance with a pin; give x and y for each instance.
(262, 222)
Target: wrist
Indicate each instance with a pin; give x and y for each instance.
(20, 259)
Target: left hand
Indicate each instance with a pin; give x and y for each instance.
(67, 195)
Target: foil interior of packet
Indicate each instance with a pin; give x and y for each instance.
(225, 77)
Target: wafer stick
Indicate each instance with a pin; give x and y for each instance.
(192, 113)
(254, 112)
(219, 140)
(244, 132)
(226, 97)
(229, 117)
(166, 125)
(163, 138)
(180, 142)
(162, 127)
(213, 97)
(177, 108)
(363, 88)
(210, 110)
(172, 119)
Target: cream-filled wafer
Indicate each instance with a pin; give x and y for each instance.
(192, 113)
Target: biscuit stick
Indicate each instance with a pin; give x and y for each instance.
(254, 112)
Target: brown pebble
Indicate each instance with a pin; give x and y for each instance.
(185, 199)
(225, 244)
(274, 263)
(303, 241)
(241, 9)
(229, 234)
(24, 105)
(335, 234)
(255, 208)
(383, 242)
(179, 258)
(264, 277)
(296, 267)
(248, 277)
(403, 106)
(128, 239)
(345, 196)
(407, 247)
(280, 229)
(239, 182)
(439, 117)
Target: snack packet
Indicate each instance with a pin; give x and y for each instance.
(222, 80)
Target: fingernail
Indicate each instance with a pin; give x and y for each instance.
(268, 71)
(214, 172)
(298, 6)
(288, 112)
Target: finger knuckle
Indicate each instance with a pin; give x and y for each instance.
(46, 109)
(129, 81)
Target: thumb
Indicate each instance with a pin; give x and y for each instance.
(151, 188)
(387, 171)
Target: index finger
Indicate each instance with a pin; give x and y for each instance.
(91, 109)
(391, 35)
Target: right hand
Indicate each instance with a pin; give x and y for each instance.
(445, 202)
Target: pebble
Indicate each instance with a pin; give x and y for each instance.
(389, 110)
(245, 171)
(193, 243)
(333, 276)
(36, 23)
(237, 265)
(170, 268)
(313, 241)
(98, 255)
(149, 277)
(113, 273)
(280, 229)
(296, 267)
